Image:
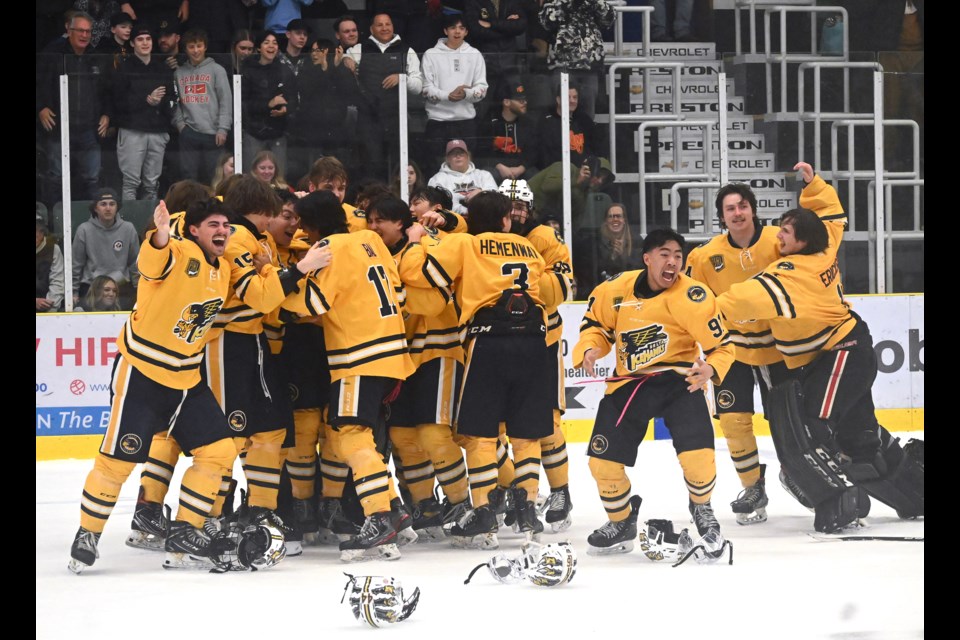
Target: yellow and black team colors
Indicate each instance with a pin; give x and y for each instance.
(559, 274)
(422, 417)
(830, 349)
(156, 385)
(361, 300)
(657, 320)
(496, 280)
(741, 253)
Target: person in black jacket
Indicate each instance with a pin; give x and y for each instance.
(493, 29)
(509, 142)
(269, 95)
(90, 110)
(583, 140)
(144, 99)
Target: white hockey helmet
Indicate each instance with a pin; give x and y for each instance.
(551, 565)
(517, 189)
(378, 600)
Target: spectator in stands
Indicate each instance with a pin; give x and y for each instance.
(346, 31)
(594, 175)
(494, 28)
(385, 56)
(90, 108)
(607, 251)
(264, 167)
(106, 244)
(103, 295)
(118, 44)
(241, 47)
(145, 101)
(269, 95)
(153, 11)
(293, 56)
(509, 144)
(415, 21)
(222, 20)
(415, 180)
(100, 11)
(583, 140)
(168, 40)
(578, 45)
(225, 169)
(682, 14)
(205, 112)
(454, 79)
(281, 12)
(459, 176)
(50, 281)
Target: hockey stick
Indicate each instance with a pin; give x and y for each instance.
(822, 537)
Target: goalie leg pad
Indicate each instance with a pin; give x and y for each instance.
(810, 464)
(900, 486)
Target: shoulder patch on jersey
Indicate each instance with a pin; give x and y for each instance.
(359, 213)
(324, 242)
(717, 262)
(785, 266)
(556, 232)
(697, 293)
(193, 268)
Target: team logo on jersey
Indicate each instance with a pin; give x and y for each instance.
(369, 250)
(195, 319)
(717, 262)
(697, 293)
(725, 399)
(193, 268)
(118, 245)
(786, 266)
(640, 347)
(237, 420)
(556, 232)
(599, 444)
(130, 444)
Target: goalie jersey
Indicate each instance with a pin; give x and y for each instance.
(801, 295)
(179, 295)
(361, 299)
(654, 334)
(719, 265)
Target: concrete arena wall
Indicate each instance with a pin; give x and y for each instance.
(75, 355)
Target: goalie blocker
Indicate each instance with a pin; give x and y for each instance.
(835, 484)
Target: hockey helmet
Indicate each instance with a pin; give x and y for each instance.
(517, 189)
(252, 548)
(551, 565)
(502, 568)
(659, 542)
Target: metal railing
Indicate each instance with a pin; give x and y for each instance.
(620, 7)
(752, 6)
(889, 235)
(707, 220)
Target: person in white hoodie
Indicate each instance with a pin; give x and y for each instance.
(459, 176)
(454, 79)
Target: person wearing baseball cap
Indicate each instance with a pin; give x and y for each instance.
(106, 244)
(121, 24)
(509, 143)
(459, 176)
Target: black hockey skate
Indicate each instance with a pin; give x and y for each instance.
(335, 526)
(149, 525)
(83, 551)
(704, 518)
(188, 548)
(525, 516)
(453, 512)
(750, 506)
(377, 539)
(428, 520)
(306, 519)
(477, 529)
(402, 522)
(616, 537)
(557, 509)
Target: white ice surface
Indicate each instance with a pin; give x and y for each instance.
(783, 583)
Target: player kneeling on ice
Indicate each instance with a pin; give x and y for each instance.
(658, 321)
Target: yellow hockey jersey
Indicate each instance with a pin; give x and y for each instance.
(179, 295)
(356, 218)
(719, 264)
(476, 270)
(801, 295)
(360, 297)
(287, 257)
(252, 294)
(556, 254)
(664, 332)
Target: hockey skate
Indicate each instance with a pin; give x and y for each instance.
(149, 525)
(335, 526)
(377, 539)
(499, 500)
(477, 529)
(711, 544)
(452, 512)
(428, 520)
(557, 509)
(616, 537)
(402, 523)
(188, 548)
(791, 487)
(248, 516)
(306, 519)
(525, 517)
(83, 551)
(750, 506)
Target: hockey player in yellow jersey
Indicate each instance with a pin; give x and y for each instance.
(742, 252)
(657, 320)
(497, 282)
(329, 174)
(824, 426)
(421, 418)
(156, 385)
(360, 298)
(547, 240)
